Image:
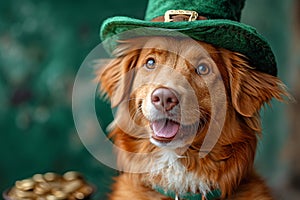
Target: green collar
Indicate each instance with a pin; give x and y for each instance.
(215, 194)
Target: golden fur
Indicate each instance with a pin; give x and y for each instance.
(229, 165)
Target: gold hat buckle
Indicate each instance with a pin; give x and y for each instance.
(186, 15)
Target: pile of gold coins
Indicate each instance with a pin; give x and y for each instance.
(51, 186)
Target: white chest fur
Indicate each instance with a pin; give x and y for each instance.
(172, 175)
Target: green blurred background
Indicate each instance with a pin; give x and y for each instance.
(42, 45)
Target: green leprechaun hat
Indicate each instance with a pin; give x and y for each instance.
(213, 21)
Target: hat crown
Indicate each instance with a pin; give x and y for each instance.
(212, 9)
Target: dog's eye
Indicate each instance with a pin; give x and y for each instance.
(150, 63)
(203, 69)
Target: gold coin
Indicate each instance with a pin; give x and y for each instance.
(38, 178)
(72, 186)
(72, 175)
(18, 184)
(86, 190)
(42, 188)
(50, 176)
(39, 190)
(24, 194)
(79, 195)
(55, 185)
(60, 194)
(25, 185)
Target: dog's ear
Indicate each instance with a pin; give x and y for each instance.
(117, 75)
(250, 89)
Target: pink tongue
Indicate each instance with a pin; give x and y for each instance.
(165, 128)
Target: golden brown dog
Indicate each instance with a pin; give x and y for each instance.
(171, 94)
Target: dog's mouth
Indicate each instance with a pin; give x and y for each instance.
(164, 130)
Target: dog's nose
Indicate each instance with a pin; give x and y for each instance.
(164, 99)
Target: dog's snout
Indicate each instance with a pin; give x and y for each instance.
(164, 99)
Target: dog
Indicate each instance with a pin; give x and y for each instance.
(172, 93)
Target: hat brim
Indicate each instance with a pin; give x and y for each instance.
(231, 35)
